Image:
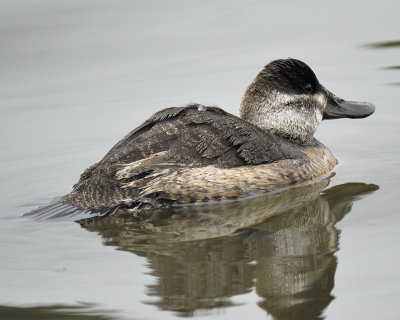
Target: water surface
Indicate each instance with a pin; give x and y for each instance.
(76, 77)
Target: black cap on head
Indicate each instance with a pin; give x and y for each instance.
(291, 76)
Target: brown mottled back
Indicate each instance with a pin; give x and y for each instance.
(171, 140)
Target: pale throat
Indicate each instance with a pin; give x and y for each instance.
(292, 116)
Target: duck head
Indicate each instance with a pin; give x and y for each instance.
(287, 99)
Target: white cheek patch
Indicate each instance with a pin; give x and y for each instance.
(294, 115)
(321, 99)
(318, 115)
(285, 98)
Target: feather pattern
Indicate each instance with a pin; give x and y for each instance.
(172, 140)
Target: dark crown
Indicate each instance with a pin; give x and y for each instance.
(289, 76)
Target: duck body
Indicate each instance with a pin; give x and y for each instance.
(195, 154)
(201, 153)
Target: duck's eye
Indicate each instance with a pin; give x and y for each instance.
(308, 88)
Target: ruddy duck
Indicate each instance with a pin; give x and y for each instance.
(201, 153)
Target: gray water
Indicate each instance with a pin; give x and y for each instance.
(77, 76)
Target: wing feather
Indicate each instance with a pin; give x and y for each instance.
(173, 138)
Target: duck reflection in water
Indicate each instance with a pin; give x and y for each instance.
(282, 244)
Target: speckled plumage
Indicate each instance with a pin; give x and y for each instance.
(197, 153)
(186, 155)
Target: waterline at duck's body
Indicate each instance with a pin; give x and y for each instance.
(197, 153)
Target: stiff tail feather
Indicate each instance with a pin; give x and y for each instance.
(59, 210)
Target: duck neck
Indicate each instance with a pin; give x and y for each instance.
(291, 117)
